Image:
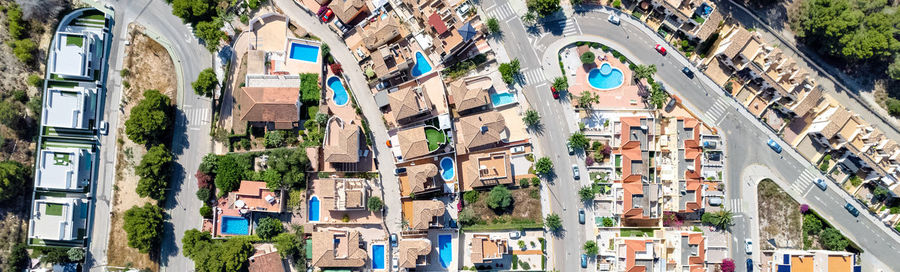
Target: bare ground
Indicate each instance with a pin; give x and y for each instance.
(523, 206)
(150, 67)
(779, 217)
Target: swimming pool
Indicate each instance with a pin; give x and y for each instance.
(606, 77)
(447, 169)
(502, 99)
(340, 93)
(304, 52)
(444, 248)
(421, 67)
(314, 209)
(233, 225)
(378, 257)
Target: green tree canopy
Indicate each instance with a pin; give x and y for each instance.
(467, 217)
(374, 204)
(531, 118)
(561, 83)
(154, 172)
(543, 8)
(854, 31)
(211, 34)
(587, 57)
(509, 70)
(272, 179)
(543, 166)
(553, 222)
(590, 248)
(144, 227)
(206, 82)
(149, 119)
(643, 71)
(578, 140)
(811, 224)
(230, 172)
(499, 198)
(832, 239)
(586, 193)
(192, 11)
(24, 49)
(216, 255)
(268, 227)
(12, 179)
(493, 25)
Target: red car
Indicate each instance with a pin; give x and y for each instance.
(659, 48)
(555, 92)
(326, 16)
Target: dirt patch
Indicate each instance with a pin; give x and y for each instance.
(525, 208)
(779, 217)
(150, 67)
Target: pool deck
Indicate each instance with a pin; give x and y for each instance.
(223, 213)
(347, 113)
(623, 97)
(434, 258)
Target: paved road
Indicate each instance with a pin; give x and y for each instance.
(191, 136)
(745, 136)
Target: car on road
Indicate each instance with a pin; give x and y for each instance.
(326, 15)
(659, 48)
(749, 265)
(748, 246)
(614, 19)
(851, 209)
(575, 171)
(393, 240)
(104, 127)
(571, 150)
(583, 261)
(821, 184)
(555, 92)
(687, 71)
(581, 216)
(775, 146)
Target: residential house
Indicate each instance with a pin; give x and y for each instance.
(427, 214)
(690, 187)
(409, 103)
(380, 32)
(486, 170)
(481, 131)
(266, 262)
(686, 251)
(639, 198)
(337, 248)
(696, 19)
(486, 249)
(347, 11)
(827, 124)
(413, 143)
(738, 48)
(58, 220)
(255, 196)
(639, 254)
(413, 252)
(76, 55)
(71, 108)
(392, 61)
(269, 107)
(342, 141)
(812, 260)
(449, 35)
(65, 168)
(420, 179)
(471, 95)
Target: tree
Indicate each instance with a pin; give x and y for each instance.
(893, 69)
(76, 254)
(493, 25)
(881, 193)
(530, 18)
(291, 163)
(587, 99)
(608, 222)
(578, 140)
(211, 34)
(561, 83)
(586, 193)
(531, 118)
(192, 11)
(587, 57)
(374, 204)
(811, 224)
(854, 31)
(576, 2)
(206, 211)
(553, 222)
(467, 217)
(658, 96)
(727, 265)
(206, 83)
(268, 227)
(272, 179)
(40, 10)
(154, 172)
(253, 4)
(144, 227)
(231, 171)
(720, 219)
(509, 70)
(209, 163)
(12, 179)
(14, 23)
(288, 244)
(17, 260)
(590, 248)
(543, 8)
(640, 71)
(274, 138)
(10, 114)
(54, 255)
(234, 254)
(833, 240)
(499, 198)
(543, 166)
(149, 119)
(24, 49)
(470, 197)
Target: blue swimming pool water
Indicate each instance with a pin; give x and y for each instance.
(447, 168)
(501, 99)
(606, 77)
(378, 257)
(314, 209)
(340, 94)
(445, 250)
(421, 67)
(234, 225)
(304, 52)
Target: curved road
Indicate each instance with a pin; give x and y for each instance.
(745, 136)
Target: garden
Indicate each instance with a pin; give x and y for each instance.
(502, 208)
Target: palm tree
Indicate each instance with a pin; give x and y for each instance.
(643, 71)
(723, 218)
(586, 99)
(531, 118)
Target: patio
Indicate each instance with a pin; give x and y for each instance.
(622, 97)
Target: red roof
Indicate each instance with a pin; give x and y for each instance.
(435, 21)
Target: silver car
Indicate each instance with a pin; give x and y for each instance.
(575, 171)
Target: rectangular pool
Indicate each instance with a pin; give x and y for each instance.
(378, 257)
(502, 99)
(445, 250)
(233, 225)
(304, 52)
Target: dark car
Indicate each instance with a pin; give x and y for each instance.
(555, 92)
(399, 171)
(687, 71)
(851, 209)
(749, 265)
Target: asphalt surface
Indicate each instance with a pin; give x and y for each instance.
(745, 136)
(191, 140)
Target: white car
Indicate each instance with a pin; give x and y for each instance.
(749, 246)
(575, 171)
(614, 19)
(104, 127)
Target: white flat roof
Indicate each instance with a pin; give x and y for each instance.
(56, 218)
(64, 168)
(69, 108)
(70, 59)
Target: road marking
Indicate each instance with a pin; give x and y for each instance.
(502, 12)
(197, 116)
(533, 76)
(736, 205)
(570, 27)
(804, 181)
(717, 110)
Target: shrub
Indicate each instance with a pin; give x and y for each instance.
(204, 194)
(35, 80)
(17, 260)
(274, 139)
(24, 49)
(269, 227)
(535, 181)
(728, 265)
(524, 183)
(893, 106)
(470, 197)
(12, 179)
(206, 211)
(608, 222)
(811, 224)
(587, 57)
(499, 198)
(617, 4)
(467, 217)
(833, 240)
(375, 204)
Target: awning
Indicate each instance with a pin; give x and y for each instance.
(467, 32)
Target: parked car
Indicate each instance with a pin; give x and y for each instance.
(399, 171)
(395, 263)
(581, 216)
(515, 235)
(659, 48)
(708, 144)
(326, 16)
(687, 71)
(851, 209)
(575, 171)
(583, 261)
(104, 127)
(393, 240)
(749, 265)
(821, 184)
(555, 92)
(614, 19)
(571, 150)
(775, 146)
(748, 246)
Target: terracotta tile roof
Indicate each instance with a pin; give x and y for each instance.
(467, 98)
(808, 102)
(424, 212)
(380, 32)
(406, 103)
(837, 121)
(337, 248)
(486, 249)
(631, 249)
(342, 143)
(346, 10)
(737, 42)
(710, 25)
(481, 130)
(697, 240)
(411, 249)
(254, 193)
(269, 262)
(268, 104)
(420, 176)
(488, 169)
(434, 20)
(413, 143)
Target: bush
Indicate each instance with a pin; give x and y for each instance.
(274, 139)
(608, 222)
(499, 198)
(374, 204)
(832, 239)
(617, 4)
(206, 211)
(893, 106)
(150, 118)
(524, 183)
(811, 224)
(470, 197)
(203, 194)
(12, 179)
(467, 217)
(310, 93)
(24, 49)
(144, 227)
(268, 227)
(206, 82)
(587, 57)
(35, 80)
(535, 181)
(17, 260)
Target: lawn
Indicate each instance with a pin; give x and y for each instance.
(525, 211)
(54, 209)
(435, 138)
(74, 40)
(636, 232)
(779, 217)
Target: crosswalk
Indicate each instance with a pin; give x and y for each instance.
(717, 110)
(502, 12)
(197, 116)
(734, 206)
(533, 76)
(570, 28)
(804, 181)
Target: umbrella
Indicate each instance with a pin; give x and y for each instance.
(467, 32)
